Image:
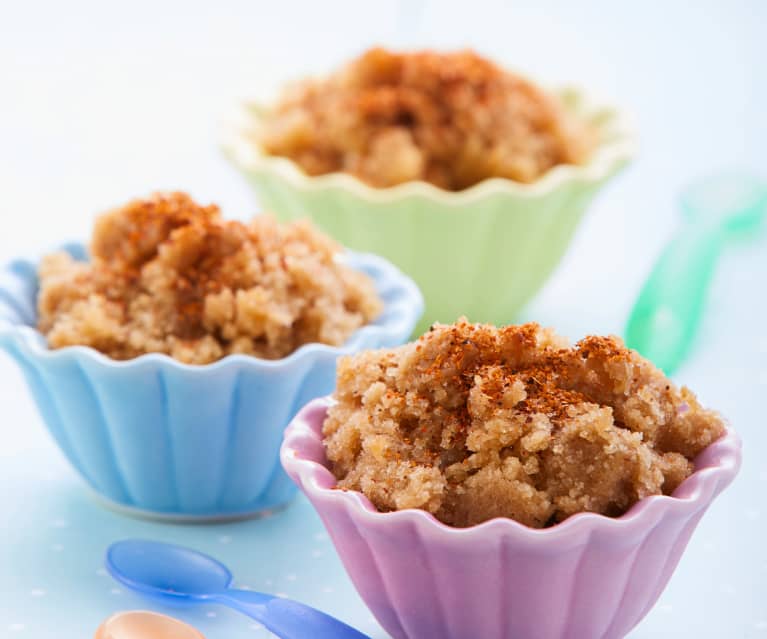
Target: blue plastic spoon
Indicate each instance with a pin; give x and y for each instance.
(168, 572)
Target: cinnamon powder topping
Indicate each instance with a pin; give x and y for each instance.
(473, 422)
(171, 276)
(452, 119)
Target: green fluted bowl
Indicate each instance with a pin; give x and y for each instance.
(482, 252)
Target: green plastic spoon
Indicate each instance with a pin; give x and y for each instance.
(666, 316)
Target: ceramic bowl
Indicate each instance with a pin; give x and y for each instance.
(157, 437)
(590, 576)
(481, 252)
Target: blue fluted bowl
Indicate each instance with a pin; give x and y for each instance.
(161, 438)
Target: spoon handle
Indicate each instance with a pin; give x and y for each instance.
(287, 618)
(666, 316)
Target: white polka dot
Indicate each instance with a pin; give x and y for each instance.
(761, 625)
(321, 536)
(116, 591)
(211, 614)
(281, 595)
(37, 592)
(59, 523)
(15, 627)
(328, 589)
(224, 539)
(752, 514)
(57, 547)
(317, 554)
(291, 577)
(665, 608)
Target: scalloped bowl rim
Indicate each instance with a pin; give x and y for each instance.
(34, 341)
(610, 155)
(687, 498)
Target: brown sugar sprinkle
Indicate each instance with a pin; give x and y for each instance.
(452, 119)
(169, 275)
(473, 422)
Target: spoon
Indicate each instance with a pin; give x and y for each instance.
(667, 314)
(174, 573)
(140, 624)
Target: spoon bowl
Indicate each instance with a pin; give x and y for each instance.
(165, 570)
(736, 201)
(140, 624)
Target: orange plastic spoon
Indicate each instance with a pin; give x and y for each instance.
(140, 624)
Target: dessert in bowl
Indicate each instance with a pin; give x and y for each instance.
(498, 483)
(460, 172)
(167, 363)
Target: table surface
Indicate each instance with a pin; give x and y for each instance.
(101, 103)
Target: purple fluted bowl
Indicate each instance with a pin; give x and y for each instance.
(588, 577)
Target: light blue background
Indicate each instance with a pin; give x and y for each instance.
(102, 103)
